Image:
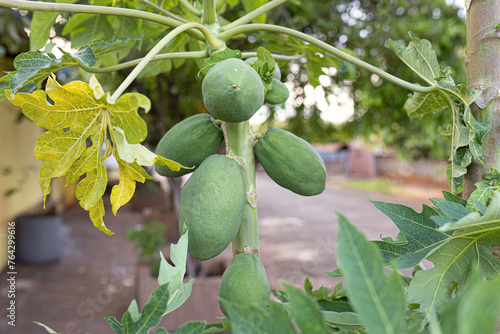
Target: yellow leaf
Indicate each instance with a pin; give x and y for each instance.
(78, 118)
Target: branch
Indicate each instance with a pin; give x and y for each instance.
(246, 55)
(253, 14)
(164, 11)
(328, 48)
(161, 56)
(214, 44)
(190, 7)
(88, 9)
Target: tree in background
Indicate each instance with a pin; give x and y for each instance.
(364, 27)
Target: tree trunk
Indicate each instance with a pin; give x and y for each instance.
(483, 72)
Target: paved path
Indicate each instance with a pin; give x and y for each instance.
(95, 276)
(298, 234)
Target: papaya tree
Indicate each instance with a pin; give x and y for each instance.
(219, 201)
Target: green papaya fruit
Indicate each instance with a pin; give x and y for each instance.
(244, 282)
(291, 162)
(232, 91)
(278, 94)
(189, 142)
(277, 70)
(211, 205)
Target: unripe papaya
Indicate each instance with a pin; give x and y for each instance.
(189, 143)
(212, 203)
(291, 162)
(277, 70)
(232, 91)
(244, 282)
(278, 94)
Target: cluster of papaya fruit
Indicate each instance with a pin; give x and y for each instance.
(213, 199)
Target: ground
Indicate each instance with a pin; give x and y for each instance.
(96, 275)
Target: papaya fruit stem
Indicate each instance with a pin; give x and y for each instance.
(239, 146)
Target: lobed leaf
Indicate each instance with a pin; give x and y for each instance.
(249, 319)
(78, 119)
(305, 311)
(474, 310)
(420, 104)
(174, 275)
(418, 56)
(420, 232)
(453, 239)
(377, 298)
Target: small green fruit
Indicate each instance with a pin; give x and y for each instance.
(291, 162)
(189, 143)
(212, 203)
(278, 94)
(232, 91)
(245, 282)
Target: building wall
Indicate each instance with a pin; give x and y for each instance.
(17, 143)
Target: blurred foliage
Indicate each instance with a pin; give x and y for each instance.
(364, 26)
(148, 241)
(13, 38)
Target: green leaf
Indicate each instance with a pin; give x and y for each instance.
(344, 320)
(160, 330)
(250, 5)
(47, 328)
(420, 104)
(151, 314)
(267, 64)
(77, 122)
(249, 319)
(445, 79)
(474, 310)
(470, 243)
(453, 210)
(41, 23)
(102, 48)
(36, 66)
(223, 326)
(85, 28)
(193, 327)
(377, 298)
(418, 56)
(169, 4)
(493, 175)
(115, 325)
(305, 311)
(174, 275)
(484, 191)
(419, 230)
(220, 56)
(133, 309)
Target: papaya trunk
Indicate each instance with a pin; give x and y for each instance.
(483, 72)
(240, 147)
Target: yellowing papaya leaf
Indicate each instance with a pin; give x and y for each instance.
(137, 153)
(129, 173)
(78, 119)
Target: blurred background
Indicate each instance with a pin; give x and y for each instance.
(70, 275)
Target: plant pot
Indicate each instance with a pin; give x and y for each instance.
(38, 238)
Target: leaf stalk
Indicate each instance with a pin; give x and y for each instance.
(214, 43)
(161, 56)
(328, 48)
(253, 14)
(102, 10)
